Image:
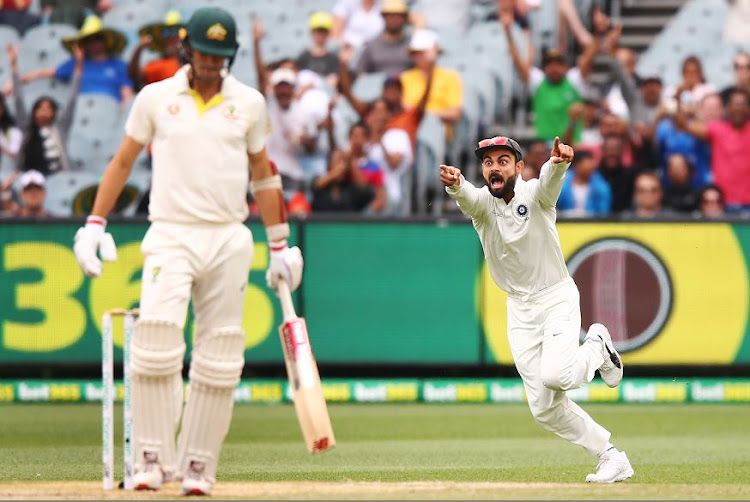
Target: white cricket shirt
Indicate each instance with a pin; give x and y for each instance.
(200, 169)
(520, 240)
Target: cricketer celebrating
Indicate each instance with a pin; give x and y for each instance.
(208, 134)
(515, 220)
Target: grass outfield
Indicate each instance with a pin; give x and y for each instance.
(405, 451)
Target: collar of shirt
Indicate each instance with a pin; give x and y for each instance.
(227, 84)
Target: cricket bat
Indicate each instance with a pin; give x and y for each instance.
(304, 378)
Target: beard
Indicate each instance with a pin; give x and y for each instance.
(500, 187)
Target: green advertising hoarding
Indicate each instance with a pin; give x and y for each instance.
(405, 292)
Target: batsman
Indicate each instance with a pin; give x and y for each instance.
(515, 220)
(208, 133)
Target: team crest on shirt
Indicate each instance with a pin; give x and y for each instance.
(230, 112)
(523, 211)
(216, 32)
(173, 109)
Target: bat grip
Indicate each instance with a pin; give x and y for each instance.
(285, 296)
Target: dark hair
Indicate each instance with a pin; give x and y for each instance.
(361, 124)
(583, 155)
(741, 92)
(32, 151)
(689, 164)
(6, 119)
(715, 188)
(693, 59)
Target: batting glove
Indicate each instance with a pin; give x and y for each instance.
(286, 263)
(92, 238)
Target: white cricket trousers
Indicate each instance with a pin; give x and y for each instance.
(209, 261)
(543, 331)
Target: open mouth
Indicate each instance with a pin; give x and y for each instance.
(496, 181)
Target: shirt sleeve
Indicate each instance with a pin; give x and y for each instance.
(575, 77)
(140, 124)
(551, 179)
(122, 75)
(470, 199)
(260, 129)
(454, 91)
(536, 77)
(343, 8)
(65, 70)
(713, 129)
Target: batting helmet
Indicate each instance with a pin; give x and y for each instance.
(212, 30)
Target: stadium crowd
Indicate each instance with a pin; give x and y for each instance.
(348, 110)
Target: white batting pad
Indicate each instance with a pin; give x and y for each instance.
(156, 367)
(215, 368)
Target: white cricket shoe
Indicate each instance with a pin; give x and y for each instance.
(611, 369)
(152, 475)
(194, 482)
(613, 466)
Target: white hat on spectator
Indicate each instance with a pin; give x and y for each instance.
(32, 177)
(423, 40)
(283, 76)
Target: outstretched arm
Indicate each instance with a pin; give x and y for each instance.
(522, 67)
(467, 196)
(260, 68)
(694, 127)
(552, 174)
(134, 67)
(345, 56)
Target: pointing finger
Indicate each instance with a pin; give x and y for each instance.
(556, 147)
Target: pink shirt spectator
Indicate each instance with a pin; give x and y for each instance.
(730, 164)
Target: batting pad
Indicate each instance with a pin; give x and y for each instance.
(215, 370)
(157, 352)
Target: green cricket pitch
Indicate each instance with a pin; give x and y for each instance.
(394, 451)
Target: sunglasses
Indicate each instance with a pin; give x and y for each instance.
(496, 141)
(739, 66)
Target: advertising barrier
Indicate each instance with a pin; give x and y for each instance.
(405, 293)
(412, 391)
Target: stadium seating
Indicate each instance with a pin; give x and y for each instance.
(467, 130)
(369, 86)
(57, 90)
(696, 29)
(42, 47)
(429, 155)
(62, 189)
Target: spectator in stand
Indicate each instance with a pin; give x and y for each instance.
(318, 58)
(8, 206)
(679, 195)
(11, 136)
(389, 51)
(294, 129)
(584, 192)
(344, 187)
(672, 139)
(164, 39)
(391, 149)
(103, 71)
(554, 88)
(729, 137)
(16, 13)
(535, 157)
(356, 22)
(711, 202)
(693, 86)
(446, 96)
(33, 194)
(74, 11)
(44, 146)
(619, 177)
(741, 66)
(401, 117)
(647, 198)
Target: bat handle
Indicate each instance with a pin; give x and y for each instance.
(287, 306)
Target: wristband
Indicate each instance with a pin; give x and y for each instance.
(278, 232)
(96, 220)
(276, 246)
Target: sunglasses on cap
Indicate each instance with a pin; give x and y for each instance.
(502, 141)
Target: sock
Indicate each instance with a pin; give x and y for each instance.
(609, 448)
